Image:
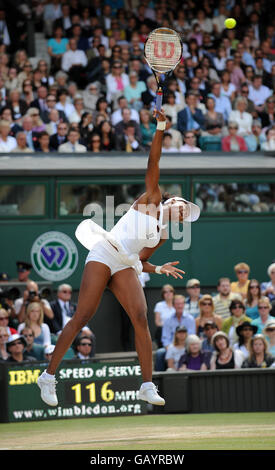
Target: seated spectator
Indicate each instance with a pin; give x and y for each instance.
(177, 141)
(91, 96)
(49, 352)
(172, 85)
(224, 356)
(21, 141)
(176, 349)
(269, 145)
(167, 144)
(267, 116)
(74, 62)
(72, 145)
(31, 294)
(245, 331)
(7, 143)
(95, 143)
(240, 286)
(4, 336)
(209, 329)
(84, 348)
(5, 320)
(63, 308)
(15, 348)
(60, 137)
(193, 290)
(86, 127)
(6, 115)
(241, 117)
(189, 143)
(171, 107)
(163, 310)
(206, 306)
(129, 141)
(179, 318)
(118, 115)
(269, 332)
(116, 81)
(252, 300)
(79, 110)
(18, 106)
(147, 128)
(148, 97)
(214, 122)
(258, 93)
(12, 81)
(43, 68)
(244, 92)
(259, 356)
(233, 142)
(264, 307)
(190, 118)
(44, 143)
(255, 140)
(227, 87)
(34, 320)
(219, 59)
(40, 101)
(37, 123)
(194, 358)
(238, 316)
(102, 108)
(32, 349)
(234, 67)
(107, 136)
(54, 119)
(222, 102)
(126, 115)
(268, 288)
(224, 298)
(64, 103)
(133, 91)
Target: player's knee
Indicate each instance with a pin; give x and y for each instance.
(140, 318)
(81, 320)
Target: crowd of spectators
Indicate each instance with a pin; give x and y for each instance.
(95, 92)
(231, 329)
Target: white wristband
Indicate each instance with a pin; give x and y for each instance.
(157, 269)
(161, 125)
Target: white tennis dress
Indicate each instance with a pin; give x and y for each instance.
(119, 249)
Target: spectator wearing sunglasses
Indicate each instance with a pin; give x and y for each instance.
(32, 349)
(240, 286)
(253, 296)
(84, 348)
(264, 307)
(269, 332)
(209, 329)
(63, 308)
(16, 348)
(193, 290)
(238, 316)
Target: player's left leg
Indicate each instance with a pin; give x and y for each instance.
(127, 288)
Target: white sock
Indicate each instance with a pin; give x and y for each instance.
(146, 384)
(48, 376)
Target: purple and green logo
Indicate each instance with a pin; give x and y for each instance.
(54, 256)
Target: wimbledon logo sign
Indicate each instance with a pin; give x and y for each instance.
(54, 256)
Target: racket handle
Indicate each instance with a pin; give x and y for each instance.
(159, 99)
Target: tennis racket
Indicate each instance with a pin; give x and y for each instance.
(162, 52)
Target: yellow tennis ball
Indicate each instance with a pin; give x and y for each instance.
(230, 23)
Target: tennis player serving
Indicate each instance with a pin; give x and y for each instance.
(115, 259)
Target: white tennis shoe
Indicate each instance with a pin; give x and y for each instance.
(149, 392)
(47, 387)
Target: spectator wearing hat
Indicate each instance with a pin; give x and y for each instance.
(23, 271)
(240, 286)
(206, 306)
(49, 352)
(15, 347)
(264, 307)
(194, 358)
(269, 331)
(224, 298)
(4, 336)
(193, 289)
(32, 349)
(245, 331)
(4, 277)
(177, 348)
(259, 356)
(163, 310)
(268, 288)
(238, 316)
(209, 329)
(224, 356)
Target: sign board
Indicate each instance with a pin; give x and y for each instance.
(84, 389)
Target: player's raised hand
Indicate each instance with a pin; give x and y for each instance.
(171, 270)
(159, 115)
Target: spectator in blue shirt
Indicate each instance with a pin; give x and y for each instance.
(268, 288)
(222, 102)
(264, 307)
(209, 329)
(191, 117)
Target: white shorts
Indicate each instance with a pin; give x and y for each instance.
(103, 252)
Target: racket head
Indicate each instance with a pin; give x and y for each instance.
(163, 50)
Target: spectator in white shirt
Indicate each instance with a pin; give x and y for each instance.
(258, 93)
(240, 116)
(116, 81)
(74, 62)
(190, 141)
(270, 143)
(163, 310)
(117, 115)
(7, 143)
